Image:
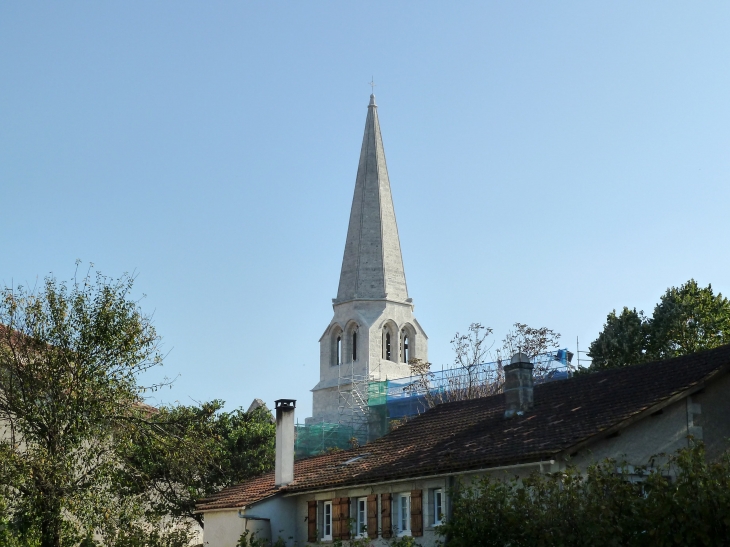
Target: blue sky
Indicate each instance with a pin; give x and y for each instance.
(549, 162)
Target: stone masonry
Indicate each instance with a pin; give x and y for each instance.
(373, 332)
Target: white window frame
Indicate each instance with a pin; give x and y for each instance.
(361, 518)
(438, 506)
(325, 536)
(404, 499)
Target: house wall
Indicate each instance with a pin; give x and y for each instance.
(662, 433)
(223, 528)
(270, 519)
(709, 416)
(705, 416)
(426, 486)
(282, 513)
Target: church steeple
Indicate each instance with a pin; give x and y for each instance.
(373, 334)
(372, 266)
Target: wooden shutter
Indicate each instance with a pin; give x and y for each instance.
(373, 516)
(336, 522)
(416, 513)
(385, 519)
(344, 518)
(312, 521)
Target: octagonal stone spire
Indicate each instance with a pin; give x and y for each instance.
(372, 266)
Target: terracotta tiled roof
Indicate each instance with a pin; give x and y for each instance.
(468, 435)
(262, 487)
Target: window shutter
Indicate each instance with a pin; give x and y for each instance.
(385, 500)
(344, 518)
(416, 513)
(312, 522)
(373, 516)
(336, 523)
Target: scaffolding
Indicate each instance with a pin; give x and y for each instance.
(549, 366)
(352, 394)
(368, 407)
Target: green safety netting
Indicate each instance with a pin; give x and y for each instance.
(317, 438)
(377, 393)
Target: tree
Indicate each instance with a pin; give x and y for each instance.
(201, 451)
(622, 342)
(70, 355)
(530, 341)
(470, 351)
(689, 319)
(686, 320)
(81, 453)
(472, 376)
(683, 501)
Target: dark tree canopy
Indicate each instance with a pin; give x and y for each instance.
(203, 449)
(687, 319)
(622, 342)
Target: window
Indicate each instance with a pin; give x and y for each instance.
(354, 345)
(386, 349)
(406, 351)
(362, 518)
(327, 525)
(438, 506)
(336, 348)
(404, 515)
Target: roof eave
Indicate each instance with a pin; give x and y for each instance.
(238, 507)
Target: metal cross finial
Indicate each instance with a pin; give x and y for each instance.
(372, 84)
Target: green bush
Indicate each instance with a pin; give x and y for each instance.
(685, 501)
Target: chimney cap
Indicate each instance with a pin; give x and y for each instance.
(520, 358)
(285, 403)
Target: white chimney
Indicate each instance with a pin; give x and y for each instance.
(284, 469)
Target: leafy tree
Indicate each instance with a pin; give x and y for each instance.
(686, 319)
(689, 319)
(81, 455)
(70, 355)
(201, 451)
(622, 342)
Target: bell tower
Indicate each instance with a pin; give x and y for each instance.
(373, 333)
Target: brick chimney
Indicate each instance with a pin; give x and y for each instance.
(284, 467)
(518, 385)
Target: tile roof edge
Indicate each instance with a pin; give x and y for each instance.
(323, 457)
(464, 471)
(494, 466)
(238, 506)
